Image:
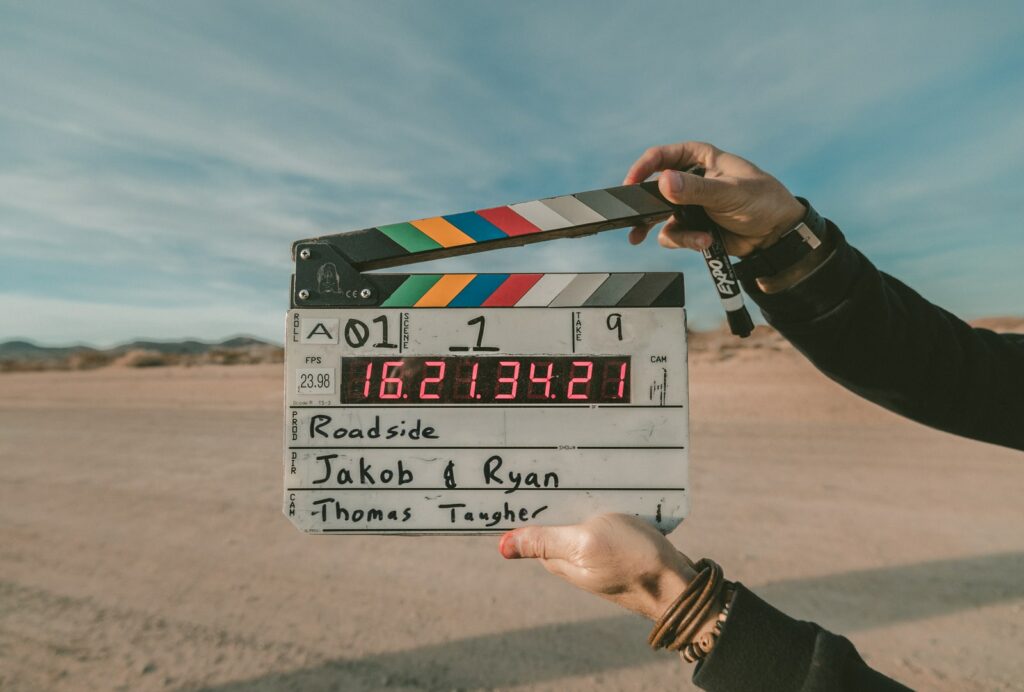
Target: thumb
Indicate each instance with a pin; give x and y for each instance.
(687, 188)
(548, 542)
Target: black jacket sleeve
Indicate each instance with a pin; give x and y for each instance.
(760, 648)
(883, 341)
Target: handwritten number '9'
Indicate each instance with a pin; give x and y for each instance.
(614, 323)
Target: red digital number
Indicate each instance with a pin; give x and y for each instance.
(461, 379)
(546, 380)
(585, 380)
(386, 380)
(366, 384)
(615, 380)
(439, 364)
(513, 380)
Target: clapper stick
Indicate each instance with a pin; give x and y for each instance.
(334, 275)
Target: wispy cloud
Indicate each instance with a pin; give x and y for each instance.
(158, 159)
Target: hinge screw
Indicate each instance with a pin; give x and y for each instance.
(365, 293)
(304, 253)
(303, 294)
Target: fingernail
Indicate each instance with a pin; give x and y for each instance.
(675, 181)
(703, 242)
(508, 546)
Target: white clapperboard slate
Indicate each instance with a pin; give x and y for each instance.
(476, 403)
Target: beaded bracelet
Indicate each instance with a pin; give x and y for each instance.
(701, 647)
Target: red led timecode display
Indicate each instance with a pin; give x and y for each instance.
(486, 380)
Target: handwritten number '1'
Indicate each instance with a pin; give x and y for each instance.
(480, 333)
(384, 343)
(479, 337)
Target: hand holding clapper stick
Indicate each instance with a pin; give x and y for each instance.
(719, 264)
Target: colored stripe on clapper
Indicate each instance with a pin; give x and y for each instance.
(578, 290)
(639, 199)
(545, 290)
(568, 207)
(605, 204)
(612, 290)
(475, 226)
(443, 232)
(510, 292)
(508, 221)
(477, 291)
(651, 289)
(441, 293)
(540, 215)
(409, 237)
(411, 290)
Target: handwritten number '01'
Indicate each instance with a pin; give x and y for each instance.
(357, 333)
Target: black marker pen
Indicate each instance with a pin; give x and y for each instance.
(720, 266)
(717, 259)
(727, 285)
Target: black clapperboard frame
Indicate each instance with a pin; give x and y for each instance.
(480, 402)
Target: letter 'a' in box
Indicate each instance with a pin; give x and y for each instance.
(476, 403)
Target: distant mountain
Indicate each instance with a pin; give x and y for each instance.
(245, 342)
(190, 346)
(21, 349)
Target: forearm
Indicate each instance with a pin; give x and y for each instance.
(882, 340)
(761, 648)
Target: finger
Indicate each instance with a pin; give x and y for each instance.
(677, 234)
(548, 542)
(665, 234)
(686, 188)
(638, 234)
(673, 235)
(677, 155)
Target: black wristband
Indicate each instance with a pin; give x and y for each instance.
(791, 247)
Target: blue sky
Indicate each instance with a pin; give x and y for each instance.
(157, 159)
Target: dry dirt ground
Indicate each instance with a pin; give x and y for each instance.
(141, 547)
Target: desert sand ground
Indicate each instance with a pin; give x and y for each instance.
(142, 547)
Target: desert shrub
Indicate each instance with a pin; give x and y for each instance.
(140, 358)
(18, 365)
(89, 360)
(229, 356)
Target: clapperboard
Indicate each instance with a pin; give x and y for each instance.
(479, 402)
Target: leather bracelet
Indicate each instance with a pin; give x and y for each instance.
(677, 629)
